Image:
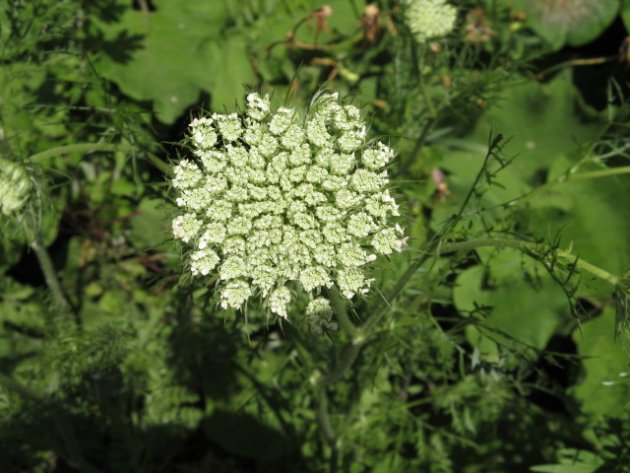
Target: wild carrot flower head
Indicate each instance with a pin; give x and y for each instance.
(278, 201)
(15, 187)
(429, 19)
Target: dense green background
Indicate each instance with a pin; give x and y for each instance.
(488, 361)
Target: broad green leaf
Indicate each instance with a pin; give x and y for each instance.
(181, 52)
(182, 49)
(589, 220)
(149, 228)
(547, 137)
(563, 22)
(605, 388)
(540, 126)
(510, 293)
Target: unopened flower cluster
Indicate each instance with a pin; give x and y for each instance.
(275, 201)
(15, 187)
(429, 19)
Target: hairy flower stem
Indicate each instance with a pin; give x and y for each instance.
(96, 147)
(49, 273)
(535, 250)
(597, 174)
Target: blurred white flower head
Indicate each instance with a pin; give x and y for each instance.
(429, 19)
(275, 202)
(15, 187)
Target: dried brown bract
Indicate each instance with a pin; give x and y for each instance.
(478, 29)
(370, 22)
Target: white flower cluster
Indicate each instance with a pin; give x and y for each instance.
(281, 199)
(15, 187)
(429, 19)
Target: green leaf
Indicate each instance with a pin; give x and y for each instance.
(541, 127)
(588, 220)
(149, 228)
(183, 51)
(572, 461)
(509, 288)
(574, 23)
(605, 389)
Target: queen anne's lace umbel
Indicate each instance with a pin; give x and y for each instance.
(280, 200)
(429, 19)
(15, 187)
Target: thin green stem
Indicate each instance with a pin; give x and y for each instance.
(597, 174)
(323, 420)
(589, 268)
(577, 62)
(581, 176)
(49, 273)
(426, 97)
(97, 147)
(431, 246)
(352, 350)
(534, 249)
(418, 145)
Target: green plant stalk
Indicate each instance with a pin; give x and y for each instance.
(49, 273)
(418, 145)
(581, 176)
(347, 359)
(97, 147)
(352, 350)
(426, 97)
(534, 249)
(324, 419)
(340, 310)
(597, 174)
